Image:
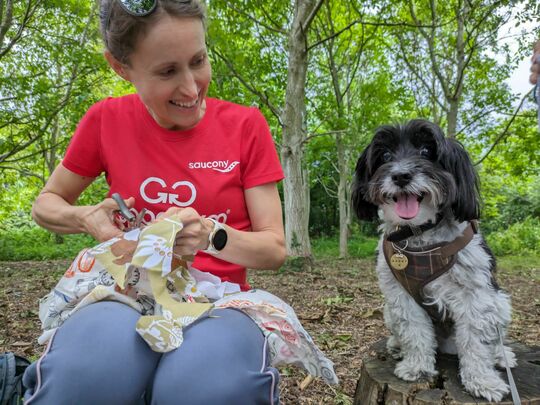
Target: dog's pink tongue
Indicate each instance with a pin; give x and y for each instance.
(407, 206)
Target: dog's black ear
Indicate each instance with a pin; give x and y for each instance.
(456, 161)
(363, 208)
(426, 133)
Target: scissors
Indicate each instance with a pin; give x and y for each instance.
(132, 220)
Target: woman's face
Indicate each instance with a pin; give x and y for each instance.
(170, 70)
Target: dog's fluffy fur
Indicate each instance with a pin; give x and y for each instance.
(417, 160)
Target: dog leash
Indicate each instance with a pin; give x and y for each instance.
(513, 389)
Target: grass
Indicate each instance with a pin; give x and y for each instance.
(37, 244)
(524, 265)
(359, 247)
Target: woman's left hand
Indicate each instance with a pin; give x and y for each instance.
(195, 233)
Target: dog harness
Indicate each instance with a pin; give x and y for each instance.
(414, 268)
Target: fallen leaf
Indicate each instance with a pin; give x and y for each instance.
(306, 382)
(21, 343)
(372, 313)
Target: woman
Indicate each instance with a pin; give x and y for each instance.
(173, 151)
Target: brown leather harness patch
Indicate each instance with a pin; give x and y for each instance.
(420, 266)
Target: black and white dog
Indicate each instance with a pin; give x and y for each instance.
(435, 271)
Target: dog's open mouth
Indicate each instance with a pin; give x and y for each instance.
(407, 205)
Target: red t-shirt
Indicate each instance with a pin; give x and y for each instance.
(207, 167)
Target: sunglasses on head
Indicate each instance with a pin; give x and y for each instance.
(140, 8)
(137, 8)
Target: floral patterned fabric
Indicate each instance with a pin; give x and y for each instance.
(140, 270)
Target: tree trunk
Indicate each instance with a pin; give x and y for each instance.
(343, 197)
(452, 118)
(454, 98)
(296, 186)
(378, 385)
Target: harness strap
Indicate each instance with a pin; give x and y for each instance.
(425, 264)
(404, 232)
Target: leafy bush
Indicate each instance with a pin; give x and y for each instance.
(38, 244)
(519, 238)
(506, 204)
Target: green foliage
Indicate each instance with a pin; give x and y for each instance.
(521, 238)
(38, 244)
(56, 71)
(339, 299)
(359, 246)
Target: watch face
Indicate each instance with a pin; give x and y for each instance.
(220, 239)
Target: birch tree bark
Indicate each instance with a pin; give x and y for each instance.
(295, 185)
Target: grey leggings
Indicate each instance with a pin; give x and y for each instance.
(98, 358)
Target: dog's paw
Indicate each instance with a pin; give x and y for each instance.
(415, 369)
(507, 356)
(393, 348)
(489, 386)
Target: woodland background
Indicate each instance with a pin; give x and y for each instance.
(326, 74)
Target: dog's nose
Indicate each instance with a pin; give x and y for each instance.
(401, 179)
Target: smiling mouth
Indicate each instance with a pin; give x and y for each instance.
(185, 105)
(407, 205)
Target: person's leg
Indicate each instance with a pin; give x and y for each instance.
(223, 360)
(96, 357)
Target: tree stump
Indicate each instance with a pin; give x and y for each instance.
(378, 385)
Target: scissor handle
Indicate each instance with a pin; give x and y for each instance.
(124, 210)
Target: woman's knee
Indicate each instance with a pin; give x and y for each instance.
(219, 385)
(222, 360)
(95, 356)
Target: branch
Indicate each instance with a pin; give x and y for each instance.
(417, 74)
(374, 24)
(337, 131)
(24, 172)
(255, 20)
(63, 102)
(311, 15)
(481, 114)
(250, 87)
(330, 192)
(505, 132)
(27, 16)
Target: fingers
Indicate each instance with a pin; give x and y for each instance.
(99, 220)
(108, 232)
(194, 234)
(169, 213)
(183, 247)
(130, 202)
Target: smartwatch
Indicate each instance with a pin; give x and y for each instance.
(217, 238)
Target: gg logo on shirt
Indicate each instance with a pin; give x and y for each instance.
(171, 198)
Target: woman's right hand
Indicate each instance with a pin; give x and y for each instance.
(99, 220)
(55, 209)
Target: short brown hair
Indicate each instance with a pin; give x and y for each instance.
(121, 30)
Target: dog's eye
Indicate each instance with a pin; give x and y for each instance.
(386, 157)
(425, 152)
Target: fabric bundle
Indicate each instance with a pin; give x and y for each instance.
(140, 270)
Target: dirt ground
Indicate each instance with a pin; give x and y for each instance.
(338, 302)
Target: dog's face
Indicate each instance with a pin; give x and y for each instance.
(411, 172)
